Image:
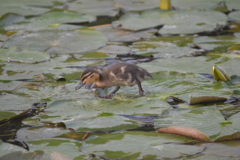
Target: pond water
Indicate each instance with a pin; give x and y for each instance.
(46, 45)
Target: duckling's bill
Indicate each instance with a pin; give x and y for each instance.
(87, 86)
(79, 86)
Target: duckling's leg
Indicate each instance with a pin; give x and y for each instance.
(139, 89)
(111, 94)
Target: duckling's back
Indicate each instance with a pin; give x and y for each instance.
(126, 74)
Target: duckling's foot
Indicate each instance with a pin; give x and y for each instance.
(106, 97)
(138, 96)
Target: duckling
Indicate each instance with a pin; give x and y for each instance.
(118, 74)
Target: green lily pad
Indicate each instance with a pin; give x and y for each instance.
(200, 65)
(233, 4)
(27, 7)
(231, 67)
(24, 56)
(114, 35)
(115, 49)
(134, 145)
(89, 118)
(174, 21)
(94, 7)
(137, 5)
(48, 68)
(58, 42)
(226, 149)
(235, 15)
(219, 43)
(162, 49)
(51, 145)
(202, 5)
(51, 20)
(10, 18)
(211, 121)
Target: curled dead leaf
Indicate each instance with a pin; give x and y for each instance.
(185, 131)
(235, 136)
(206, 99)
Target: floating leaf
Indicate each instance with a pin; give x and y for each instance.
(19, 8)
(232, 66)
(174, 21)
(114, 35)
(32, 155)
(52, 20)
(130, 146)
(94, 7)
(162, 49)
(235, 15)
(221, 6)
(58, 42)
(136, 5)
(219, 74)
(205, 120)
(203, 4)
(209, 121)
(24, 56)
(10, 18)
(225, 150)
(219, 43)
(185, 131)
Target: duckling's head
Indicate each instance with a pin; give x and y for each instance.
(90, 75)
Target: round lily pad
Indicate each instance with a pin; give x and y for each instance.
(208, 120)
(115, 35)
(137, 5)
(175, 22)
(59, 42)
(235, 15)
(25, 56)
(191, 21)
(200, 4)
(216, 43)
(94, 7)
(51, 20)
(27, 7)
(10, 18)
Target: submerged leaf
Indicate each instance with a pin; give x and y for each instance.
(185, 131)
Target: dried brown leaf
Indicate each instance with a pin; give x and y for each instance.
(185, 131)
